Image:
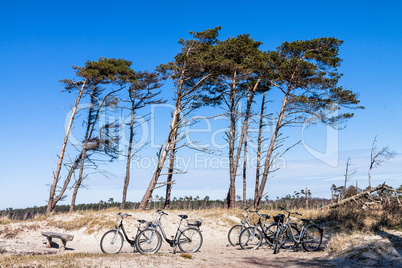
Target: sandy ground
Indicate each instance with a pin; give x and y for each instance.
(215, 251)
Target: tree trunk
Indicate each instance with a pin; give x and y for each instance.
(306, 198)
(257, 171)
(231, 197)
(129, 156)
(244, 173)
(52, 202)
(162, 157)
(348, 163)
(234, 160)
(267, 165)
(78, 183)
(90, 127)
(169, 179)
(344, 201)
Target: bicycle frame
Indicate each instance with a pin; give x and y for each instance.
(303, 229)
(246, 221)
(121, 227)
(286, 226)
(260, 224)
(174, 241)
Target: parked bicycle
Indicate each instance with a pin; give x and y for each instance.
(234, 232)
(252, 237)
(112, 241)
(188, 239)
(310, 236)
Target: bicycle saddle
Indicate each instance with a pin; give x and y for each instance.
(196, 223)
(141, 221)
(183, 216)
(306, 220)
(265, 216)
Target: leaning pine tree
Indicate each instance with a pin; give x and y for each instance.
(90, 77)
(140, 93)
(307, 75)
(190, 73)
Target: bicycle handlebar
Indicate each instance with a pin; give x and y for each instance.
(161, 212)
(248, 210)
(123, 215)
(297, 213)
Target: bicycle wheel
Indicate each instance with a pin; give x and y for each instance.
(290, 242)
(250, 238)
(148, 241)
(111, 242)
(234, 234)
(190, 240)
(280, 239)
(270, 233)
(312, 238)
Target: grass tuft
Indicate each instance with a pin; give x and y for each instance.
(4, 220)
(186, 256)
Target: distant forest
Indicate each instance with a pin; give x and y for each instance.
(181, 203)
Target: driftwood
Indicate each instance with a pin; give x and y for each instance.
(356, 197)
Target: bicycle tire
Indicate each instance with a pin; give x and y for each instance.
(250, 238)
(279, 239)
(148, 241)
(289, 241)
(270, 233)
(111, 242)
(190, 240)
(282, 238)
(312, 238)
(234, 234)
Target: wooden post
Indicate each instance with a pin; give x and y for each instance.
(306, 198)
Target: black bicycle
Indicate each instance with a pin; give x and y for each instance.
(112, 241)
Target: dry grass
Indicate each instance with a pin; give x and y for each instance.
(78, 260)
(368, 220)
(65, 260)
(186, 256)
(89, 220)
(341, 241)
(217, 215)
(9, 233)
(4, 220)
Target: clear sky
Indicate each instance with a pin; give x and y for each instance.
(41, 40)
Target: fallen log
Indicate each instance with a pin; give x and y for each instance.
(356, 196)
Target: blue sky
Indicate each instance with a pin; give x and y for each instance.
(41, 40)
